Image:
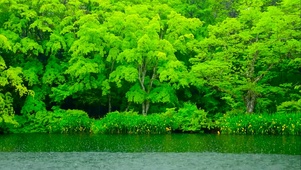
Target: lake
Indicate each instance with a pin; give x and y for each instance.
(174, 151)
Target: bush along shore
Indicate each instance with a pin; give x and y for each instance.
(275, 124)
(188, 119)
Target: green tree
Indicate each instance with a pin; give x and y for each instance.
(11, 80)
(241, 55)
(150, 37)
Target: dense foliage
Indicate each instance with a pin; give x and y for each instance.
(57, 121)
(132, 123)
(186, 119)
(275, 124)
(63, 61)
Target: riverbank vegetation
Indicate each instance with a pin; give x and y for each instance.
(188, 119)
(131, 66)
(263, 124)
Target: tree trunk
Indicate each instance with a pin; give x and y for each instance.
(128, 107)
(143, 109)
(250, 100)
(147, 104)
(142, 74)
(110, 105)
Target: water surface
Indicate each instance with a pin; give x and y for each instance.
(150, 143)
(147, 152)
(147, 161)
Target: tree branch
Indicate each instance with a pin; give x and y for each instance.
(140, 77)
(261, 76)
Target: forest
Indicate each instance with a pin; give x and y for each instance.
(187, 65)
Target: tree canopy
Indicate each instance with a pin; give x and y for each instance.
(147, 56)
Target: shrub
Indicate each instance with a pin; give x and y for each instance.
(278, 123)
(290, 107)
(58, 121)
(132, 123)
(74, 121)
(97, 126)
(186, 119)
(191, 119)
(32, 123)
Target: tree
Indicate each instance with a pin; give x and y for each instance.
(146, 57)
(11, 79)
(241, 55)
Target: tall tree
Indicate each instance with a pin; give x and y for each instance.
(146, 57)
(11, 79)
(241, 54)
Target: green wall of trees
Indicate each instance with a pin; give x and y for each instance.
(147, 56)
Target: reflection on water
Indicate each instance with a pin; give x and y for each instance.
(290, 145)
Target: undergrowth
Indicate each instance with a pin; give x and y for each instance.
(275, 124)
